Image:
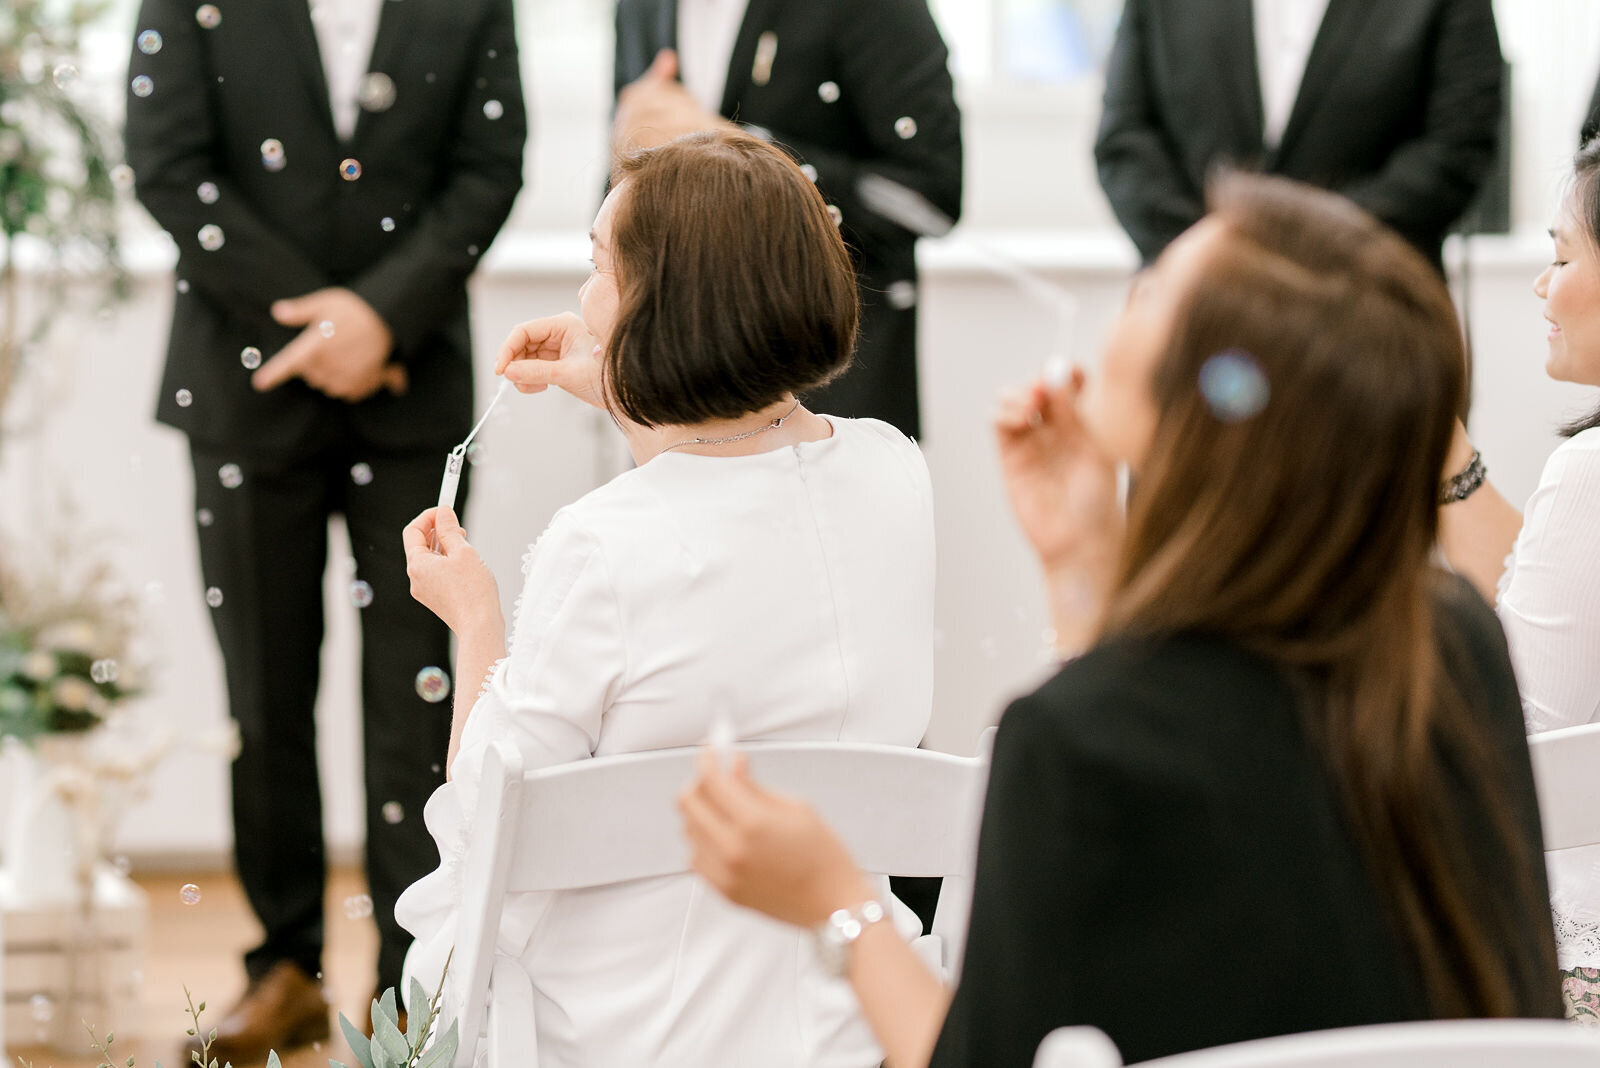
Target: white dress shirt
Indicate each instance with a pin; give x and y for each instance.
(1285, 32)
(1549, 606)
(792, 589)
(346, 30)
(707, 31)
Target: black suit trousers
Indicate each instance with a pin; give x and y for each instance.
(264, 548)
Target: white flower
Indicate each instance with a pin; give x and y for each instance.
(39, 665)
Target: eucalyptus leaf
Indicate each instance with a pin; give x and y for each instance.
(358, 1042)
(390, 1009)
(442, 1052)
(272, 1059)
(416, 1015)
(386, 1033)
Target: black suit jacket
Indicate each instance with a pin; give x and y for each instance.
(888, 62)
(435, 163)
(1398, 110)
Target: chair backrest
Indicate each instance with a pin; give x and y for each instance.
(901, 811)
(1566, 774)
(1428, 1044)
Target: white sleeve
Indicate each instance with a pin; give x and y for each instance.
(1550, 607)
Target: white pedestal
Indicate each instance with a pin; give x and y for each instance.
(100, 984)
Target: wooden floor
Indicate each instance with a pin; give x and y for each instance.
(201, 945)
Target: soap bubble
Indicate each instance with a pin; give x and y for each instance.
(230, 475)
(493, 109)
(189, 894)
(213, 597)
(835, 214)
(472, 250)
(211, 237)
(208, 16)
(387, 224)
(103, 671)
(150, 42)
(350, 169)
(906, 127)
(272, 155)
(360, 593)
(143, 85)
(41, 1009)
(1234, 386)
(433, 685)
(204, 517)
(810, 172)
(377, 92)
(361, 474)
(393, 812)
(325, 328)
(184, 398)
(250, 356)
(183, 285)
(64, 75)
(208, 193)
(902, 294)
(828, 92)
(358, 907)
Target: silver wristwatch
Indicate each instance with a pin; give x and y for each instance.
(839, 932)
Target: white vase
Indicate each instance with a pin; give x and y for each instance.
(44, 844)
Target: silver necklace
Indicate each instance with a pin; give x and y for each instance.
(775, 424)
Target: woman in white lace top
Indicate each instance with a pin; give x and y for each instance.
(761, 563)
(1540, 568)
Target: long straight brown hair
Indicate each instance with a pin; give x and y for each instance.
(1304, 533)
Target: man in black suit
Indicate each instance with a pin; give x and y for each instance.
(860, 95)
(1393, 103)
(331, 175)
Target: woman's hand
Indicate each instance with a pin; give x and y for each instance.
(1063, 489)
(453, 582)
(766, 852)
(555, 351)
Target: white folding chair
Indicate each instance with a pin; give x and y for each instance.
(1566, 776)
(901, 811)
(1428, 1044)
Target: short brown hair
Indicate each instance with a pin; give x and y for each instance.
(734, 285)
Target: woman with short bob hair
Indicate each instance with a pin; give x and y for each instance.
(762, 565)
(1284, 777)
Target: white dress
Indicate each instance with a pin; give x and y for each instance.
(791, 591)
(1549, 605)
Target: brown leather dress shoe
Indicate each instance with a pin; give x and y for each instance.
(281, 1010)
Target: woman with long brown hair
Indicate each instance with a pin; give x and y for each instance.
(1284, 787)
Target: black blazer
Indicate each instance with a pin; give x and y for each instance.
(888, 62)
(435, 163)
(1398, 110)
(1165, 856)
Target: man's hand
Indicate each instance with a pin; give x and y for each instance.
(655, 108)
(343, 350)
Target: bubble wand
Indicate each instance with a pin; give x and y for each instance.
(457, 457)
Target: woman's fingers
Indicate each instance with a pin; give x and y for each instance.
(418, 534)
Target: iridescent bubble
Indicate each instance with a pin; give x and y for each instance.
(103, 671)
(250, 356)
(122, 176)
(1234, 386)
(350, 169)
(393, 812)
(809, 171)
(149, 42)
(213, 597)
(433, 685)
(208, 192)
(183, 285)
(204, 517)
(208, 16)
(41, 1009)
(387, 224)
(475, 453)
(493, 109)
(361, 474)
(835, 214)
(184, 398)
(64, 75)
(231, 476)
(377, 92)
(325, 328)
(211, 237)
(358, 907)
(472, 250)
(828, 92)
(360, 593)
(143, 85)
(272, 155)
(906, 127)
(189, 894)
(901, 294)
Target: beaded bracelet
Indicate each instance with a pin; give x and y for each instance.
(1464, 485)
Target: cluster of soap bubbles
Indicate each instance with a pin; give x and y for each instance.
(433, 685)
(104, 671)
